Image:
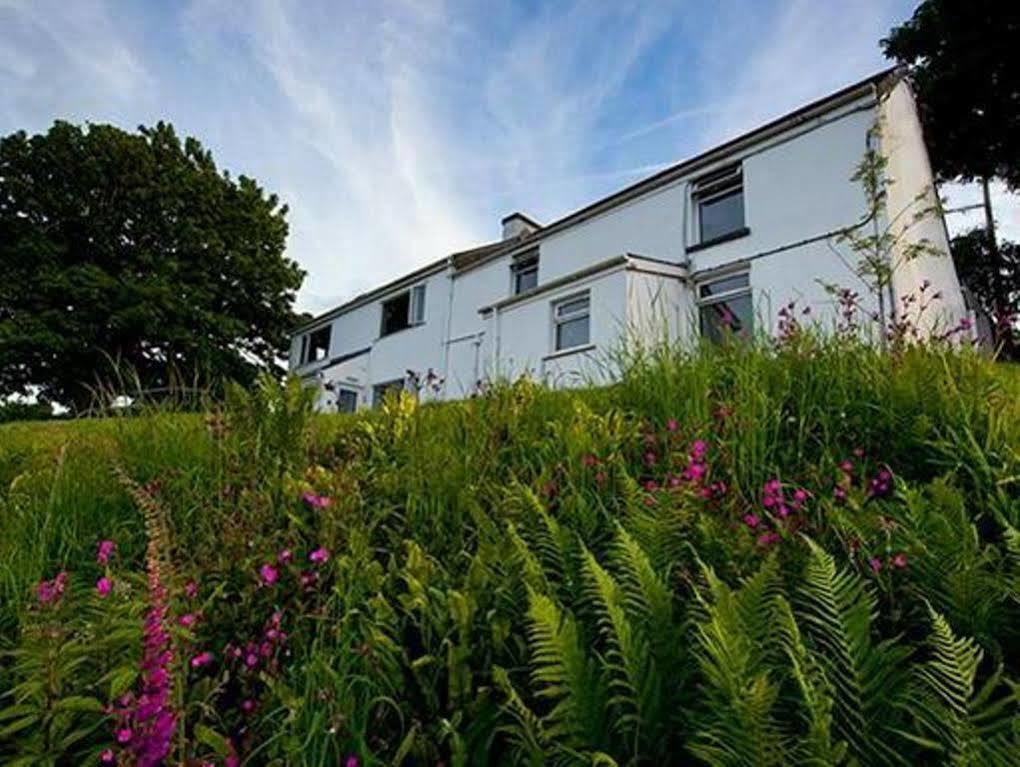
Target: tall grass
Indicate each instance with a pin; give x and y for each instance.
(538, 577)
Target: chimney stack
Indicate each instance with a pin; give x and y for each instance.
(517, 224)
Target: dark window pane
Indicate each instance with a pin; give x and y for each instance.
(573, 306)
(346, 401)
(723, 319)
(318, 344)
(395, 313)
(525, 279)
(721, 215)
(570, 333)
(724, 285)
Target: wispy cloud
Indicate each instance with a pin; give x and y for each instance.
(401, 130)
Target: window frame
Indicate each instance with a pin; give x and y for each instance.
(307, 348)
(713, 187)
(340, 392)
(559, 320)
(526, 264)
(703, 301)
(416, 297)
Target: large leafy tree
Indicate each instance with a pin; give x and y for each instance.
(133, 251)
(962, 60)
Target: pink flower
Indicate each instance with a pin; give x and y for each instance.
(752, 520)
(768, 539)
(202, 659)
(316, 501)
(106, 548)
(52, 590)
(698, 449)
(800, 495)
(191, 589)
(847, 467)
(285, 556)
(588, 460)
(651, 457)
(351, 761)
(103, 586)
(319, 556)
(248, 706)
(187, 620)
(839, 495)
(875, 563)
(600, 477)
(899, 561)
(107, 756)
(672, 424)
(308, 578)
(269, 574)
(124, 735)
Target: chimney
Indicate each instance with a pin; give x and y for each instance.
(517, 224)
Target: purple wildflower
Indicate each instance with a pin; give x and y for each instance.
(104, 551)
(269, 574)
(319, 556)
(103, 586)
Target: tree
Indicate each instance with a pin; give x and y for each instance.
(963, 65)
(132, 249)
(995, 283)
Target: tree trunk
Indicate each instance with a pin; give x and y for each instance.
(1003, 324)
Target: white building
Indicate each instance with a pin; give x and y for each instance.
(727, 237)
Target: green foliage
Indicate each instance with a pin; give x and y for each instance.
(172, 267)
(531, 578)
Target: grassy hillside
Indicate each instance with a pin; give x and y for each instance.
(736, 557)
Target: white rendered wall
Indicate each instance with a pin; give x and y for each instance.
(797, 190)
(519, 338)
(910, 171)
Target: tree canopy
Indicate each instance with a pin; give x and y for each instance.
(133, 249)
(964, 67)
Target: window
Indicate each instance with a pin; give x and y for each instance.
(571, 322)
(525, 273)
(724, 307)
(315, 345)
(719, 201)
(403, 311)
(346, 401)
(379, 391)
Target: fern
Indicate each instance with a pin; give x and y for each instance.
(739, 723)
(563, 674)
(837, 610)
(819, 746)
(633, 681)
(968, 726)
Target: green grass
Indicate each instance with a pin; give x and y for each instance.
(505, 586)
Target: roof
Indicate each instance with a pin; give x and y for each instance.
(468, 259)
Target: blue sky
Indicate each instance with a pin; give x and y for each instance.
(400, 131)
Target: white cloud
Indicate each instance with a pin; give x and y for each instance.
(401, 130)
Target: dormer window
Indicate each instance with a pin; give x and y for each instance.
(524, 273)
(315, 345)
(404, 310)
(719, 205)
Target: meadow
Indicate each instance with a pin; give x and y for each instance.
(738, 555)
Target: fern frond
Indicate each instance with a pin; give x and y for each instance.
(971, 727)
(563, 674)
(738, 725)
(633, 682)
(837, 609)
(819, 747)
